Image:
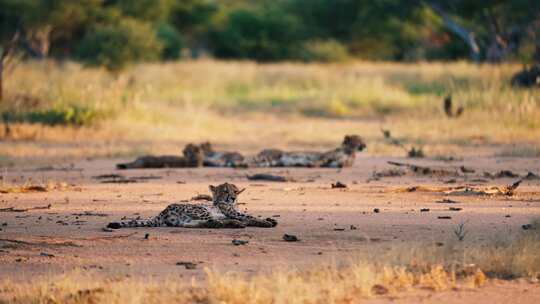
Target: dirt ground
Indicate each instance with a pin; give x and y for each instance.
(334, 225)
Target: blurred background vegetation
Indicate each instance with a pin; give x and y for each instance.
(114, 33)
(191, 69)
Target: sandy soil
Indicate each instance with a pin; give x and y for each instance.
(334, 225)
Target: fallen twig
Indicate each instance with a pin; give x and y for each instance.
(268, 177)
(13, 209)
(68, 244)
(424, 170)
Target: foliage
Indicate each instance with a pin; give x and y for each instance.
(265, 34)
(114, 46)
(74, 115)
(267, 30)
(171, 39)
(324, 51)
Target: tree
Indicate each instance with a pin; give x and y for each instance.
(116, 45)
(498, 27)
(12, 18)
(193, 19)
(265, 34)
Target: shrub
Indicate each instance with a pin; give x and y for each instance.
(59, 115)
(171, 40)
(265, 34)
(116, 45)
(337, 108)
(324, 51)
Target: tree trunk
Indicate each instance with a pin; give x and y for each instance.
(1, 77)
(7, 130)
(467, 36)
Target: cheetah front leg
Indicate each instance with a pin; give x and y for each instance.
(255, 222)
(214, 224)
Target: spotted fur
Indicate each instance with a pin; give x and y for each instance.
(340, 157)
(214, 158)
(193, 156)
(221, 214)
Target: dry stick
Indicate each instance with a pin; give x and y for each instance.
(69, 244)
(394, 141)
(107, 237)
(13, 209)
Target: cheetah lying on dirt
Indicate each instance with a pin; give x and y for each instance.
(214, 158)
(338, 158)
(205, 155)
(221, 214)
(193, 157)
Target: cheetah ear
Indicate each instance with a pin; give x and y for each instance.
(212, 188)
(240, 191)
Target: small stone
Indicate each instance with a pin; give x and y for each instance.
(353, 227)
(146, 236)
(444, 217)
(236, 242)
(339, 185)
(187, 265)
(455, 209)
(44, 254)
(424, 210)
(526, 227)
(290, 238)
(377, 210)
(379, 289)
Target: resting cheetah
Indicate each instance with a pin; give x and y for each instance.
(221, 214)
(193, 157)
(214, 158)
(340, 157)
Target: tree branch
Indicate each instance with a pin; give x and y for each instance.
(457, 29)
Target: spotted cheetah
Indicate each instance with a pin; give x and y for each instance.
(193, 157)
(214, 158)
(338, 158)
(221, 214)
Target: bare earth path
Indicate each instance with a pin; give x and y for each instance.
(334, 225)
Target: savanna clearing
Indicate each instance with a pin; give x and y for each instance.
(450, 232)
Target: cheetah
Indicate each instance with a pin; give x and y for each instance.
(193, 157)
(214, 158)
(221, 214)
(338, 158)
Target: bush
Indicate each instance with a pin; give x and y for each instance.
(324, 51)
(265, 34)
(116, 45)
(60, 115)
(171, 40)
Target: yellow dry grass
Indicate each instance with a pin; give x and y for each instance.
(159, 107)
(392, 272)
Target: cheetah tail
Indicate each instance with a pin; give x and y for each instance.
(152, 222)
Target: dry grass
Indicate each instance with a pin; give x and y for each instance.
(399, 269)
(284, 105)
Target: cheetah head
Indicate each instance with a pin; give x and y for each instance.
(194, 155)
(225, 193)
(353, 143)
(207, 148)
